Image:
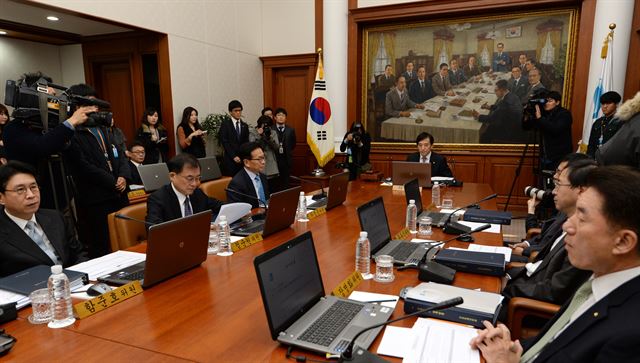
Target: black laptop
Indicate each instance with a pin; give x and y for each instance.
(373, 220)
(338, 185)
(299, 313)
(412, 191)
(281, 213)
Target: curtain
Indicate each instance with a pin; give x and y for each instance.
(390, 46)
(485, 52)
(553, 29)
(372, 52)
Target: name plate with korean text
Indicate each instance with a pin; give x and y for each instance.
(248, 241)
(108, 299)
(346, 287)
(317, 212)
(402, 235)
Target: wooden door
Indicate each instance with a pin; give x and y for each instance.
(113, 83)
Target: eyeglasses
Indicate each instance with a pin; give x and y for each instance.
(557, 183)
(21, 190)
(190, 179)
(138, 152)
(260, 160)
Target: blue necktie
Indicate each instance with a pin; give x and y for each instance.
(187, 208)
(261, 195)
(238, 129)
(39, 240)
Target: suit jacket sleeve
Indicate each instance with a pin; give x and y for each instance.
(388, 106)
(437, 85)
(557, 124)
(21, 140)
(228, 138)
(155, 210)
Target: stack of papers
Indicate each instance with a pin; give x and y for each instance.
(506, 251)
(7, 297)
(106, 264)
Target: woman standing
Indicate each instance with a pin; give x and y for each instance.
(153, 136)
(190, 133)
(4, 118)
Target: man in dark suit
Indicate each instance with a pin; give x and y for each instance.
(471, 69)
(409, 74)
(554, 123)
(501, 61)
(286, 143)
(397, 102)
(536, 88)
(421, 90)
(181, 197)
(439, 166)
(522, 64)
(503, 124)
(233, 133)
(600, 323)
(31, 236)
(456, 76)
(518, 84)
(385, 81)
(250, 180)
(440, 82)
(136, 155)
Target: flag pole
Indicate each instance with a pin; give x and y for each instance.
(318, 171)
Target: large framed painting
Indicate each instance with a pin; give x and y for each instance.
(440, 76)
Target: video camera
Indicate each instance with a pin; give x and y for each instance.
(45, 101)
(538, 98)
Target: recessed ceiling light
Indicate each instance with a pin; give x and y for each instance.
(52, 18)
(2, 32)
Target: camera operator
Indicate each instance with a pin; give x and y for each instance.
(357, 144)
(264, 135)
(26, 140)
(554, 122)
(99, 169)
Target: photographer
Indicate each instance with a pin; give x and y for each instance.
(357, 144)
(26, 140)
(264, 135)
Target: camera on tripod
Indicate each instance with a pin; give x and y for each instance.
(538, 98)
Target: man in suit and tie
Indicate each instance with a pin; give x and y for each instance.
(233, 133)
(439, 166)
(410, 74)
(397, 102)
(136, 155)
(286, 143)
(440, 82)
(518, 84)
(471, 69)
(181, 197)
(386, 80)
(522, 64)
(501, 61)
(31, 236)
(456, 76)
(421, 90)
(250, 180)
(600, 323)
(503, 124)
(535, 86)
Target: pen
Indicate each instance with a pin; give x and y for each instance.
(380, 301)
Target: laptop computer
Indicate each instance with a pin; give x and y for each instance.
(373, 219)
(338, 185)
(209, 169)
(172, 248)
(404, 171)
(154, 176)
(281, 213)
(412, 191)
(297, 308)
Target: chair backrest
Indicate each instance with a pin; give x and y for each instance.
(125, 233)
(216, 188)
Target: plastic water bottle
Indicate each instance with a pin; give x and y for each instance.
(224, 237)
(435, 195)
(214, 240)
(363, 256)
(60, 293)
(301, 213)
(412, 217)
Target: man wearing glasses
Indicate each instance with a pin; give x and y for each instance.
(181, 197)
(250, 181)
(31, 236)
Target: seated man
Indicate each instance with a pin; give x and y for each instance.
(181, 197)
(31, 236)
(439, 166)
(421, 90)
(136, 155)
(456, 76)
(471, 69)
(249, 185)
(550, 277)
(503, 124)
(397, 101)
(600, 323)
(518, 83)
(441, 83)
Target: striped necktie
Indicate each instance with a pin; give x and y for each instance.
(187, 208)
(45, 246)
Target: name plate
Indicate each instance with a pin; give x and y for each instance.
(108, 299)
(346, 287)
(249, 240)
(404, 234)
(136, 193)
(317, 212)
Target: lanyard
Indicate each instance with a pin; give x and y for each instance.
(97, 133)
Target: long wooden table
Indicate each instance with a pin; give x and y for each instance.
(215, 313)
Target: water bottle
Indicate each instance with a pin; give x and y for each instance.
(412, 216)
(363, 256)
(435, 195)
(60, 293)
(224, 237)
(214, 242)
(301, 213)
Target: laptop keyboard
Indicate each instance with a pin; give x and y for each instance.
(327, 327)
(403, 250)
(135, 275)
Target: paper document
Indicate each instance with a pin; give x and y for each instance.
(233, 211)
(7, 297)
(495, 228)
(506, 251)
(440, 342)
(109, 263)
(364, 296)
(441, 178)
(396, 341)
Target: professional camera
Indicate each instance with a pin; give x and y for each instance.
(539, 98)
(357, 133)
(539, 194)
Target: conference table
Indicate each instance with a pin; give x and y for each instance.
(214, 312)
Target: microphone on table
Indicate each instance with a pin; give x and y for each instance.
(248, 196)
(458, 228)
(122, 216)
(322, 195)
(356, 354)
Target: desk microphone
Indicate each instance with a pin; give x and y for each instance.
(322, 195)
(362, 355)
(122, 216)
(458, 228)
(248, 196)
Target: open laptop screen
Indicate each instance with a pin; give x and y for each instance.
(290, 281)
(412, 191)
(373, 220)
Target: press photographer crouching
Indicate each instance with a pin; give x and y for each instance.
(357, 144)
(37, 137)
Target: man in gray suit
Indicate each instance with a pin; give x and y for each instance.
(440, 82)
(397, 101)
(535, 86)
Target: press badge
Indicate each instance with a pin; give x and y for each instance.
(115, 151)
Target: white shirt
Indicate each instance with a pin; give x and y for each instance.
(532, 267)
(181, 199)
(252, 176)
(237, 124)
(400, 93)
(134, 163)
(428, 158)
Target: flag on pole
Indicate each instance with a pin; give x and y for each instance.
(605, 84)
(319, 125)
